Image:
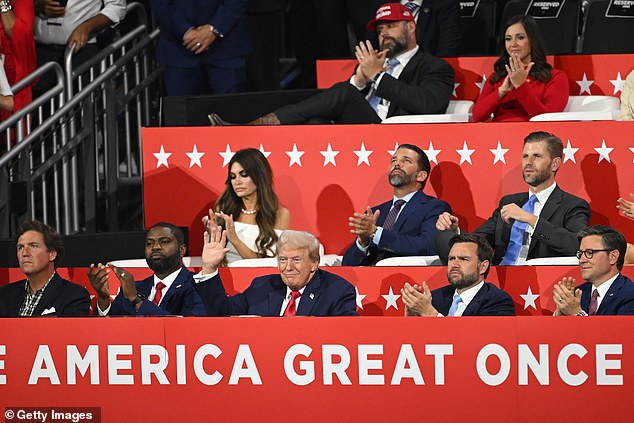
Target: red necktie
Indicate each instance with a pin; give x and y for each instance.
(159, 293)
(593, 303)
(291, 307)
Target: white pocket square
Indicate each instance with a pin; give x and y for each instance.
(48, 311)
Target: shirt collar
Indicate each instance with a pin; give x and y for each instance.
(404, 58)
(468, 295)
(605, 286)
(543, 195)
(288, 292)
(168, 281)
(27, 285)
(405, 198)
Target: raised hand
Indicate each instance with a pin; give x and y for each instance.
(214, 249)
(364, 225)
(447, 221)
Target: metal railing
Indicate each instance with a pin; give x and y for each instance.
(70, 151)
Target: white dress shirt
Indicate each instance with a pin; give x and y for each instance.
(467, 296)
(57, 30)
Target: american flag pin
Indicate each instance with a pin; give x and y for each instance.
(312, 295)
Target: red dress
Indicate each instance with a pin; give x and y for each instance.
(19, 51)
(530, 99)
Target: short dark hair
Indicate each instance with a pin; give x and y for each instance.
(485, 252)
(553, 143)
(176, 231)
(611, 239)
(52, 238)
(423, 160)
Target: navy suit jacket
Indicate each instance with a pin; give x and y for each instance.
(489, 301)
(325, 295)
(180, 299)
(67, 298)
(175, 17)
(412, 235)
(555, 235)
(618, 301)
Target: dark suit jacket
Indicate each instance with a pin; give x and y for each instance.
(67, 298)
(489, 301)
(180, 299)
(438, 29)
(412, 234)
(618, 301)
(424, 87)
(175, 17)
(325, 295)
(555, 235)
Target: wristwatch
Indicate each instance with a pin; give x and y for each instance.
(137, 300)
(5, 6)
(215, 31)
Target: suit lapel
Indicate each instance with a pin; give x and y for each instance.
(551, 206)
(474, 305)
(410, 208)
(51, 292)
(276, 297)
(612, 293)
(406, 75)
(384, 209)
(144, 287)
(17, 297)
(175, 286)
(310, 295)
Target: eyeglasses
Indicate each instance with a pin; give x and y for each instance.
(589, 252)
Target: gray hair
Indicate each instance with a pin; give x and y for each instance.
(300, 239)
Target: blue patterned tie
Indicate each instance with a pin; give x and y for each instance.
(373, 99)
(454, 305)
(516, 239)
(390, 219)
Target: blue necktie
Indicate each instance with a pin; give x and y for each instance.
(373, 99)
(516, 240)
(454, 305)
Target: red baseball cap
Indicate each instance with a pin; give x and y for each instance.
(390, 12)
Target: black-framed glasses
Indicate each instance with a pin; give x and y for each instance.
(590, 252)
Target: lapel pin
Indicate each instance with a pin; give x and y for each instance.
(312, 295)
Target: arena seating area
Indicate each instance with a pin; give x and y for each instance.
(102, 156)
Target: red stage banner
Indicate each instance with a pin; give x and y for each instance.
(321, 369)
(598, 74)
(379, 288)
(324, 174)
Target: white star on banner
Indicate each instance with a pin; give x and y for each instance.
(499, 153)
(529, 299)
(329, 156)
(432, 154)
(604, 152)
(632, 150)
(363, 155)
(618, 83)
(194, 157)
(584, 85)
(162, 157)
(569, 153)
(465, 154)
(481, 84)
(227, 155)
(390, 299)
(391, 152)
(295, 156)
(455, 85)
(265, 153)
(360, 298)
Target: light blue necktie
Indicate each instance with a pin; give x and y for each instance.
(454, 305)
(516, 239)
(373, 99)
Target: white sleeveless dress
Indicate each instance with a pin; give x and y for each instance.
(247, 233)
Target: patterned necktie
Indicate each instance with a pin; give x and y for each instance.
(518, 231)
(159, 293)
(454, 305)
(594, 303)
(291, 307)
(390, 219)
(373, 99)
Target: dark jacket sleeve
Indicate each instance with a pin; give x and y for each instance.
(78, 304)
